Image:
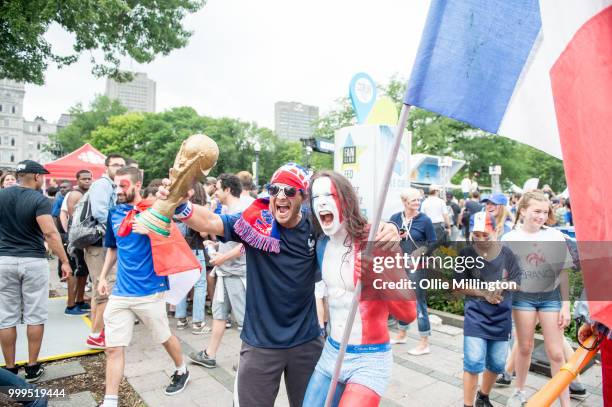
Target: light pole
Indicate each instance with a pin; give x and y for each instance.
(445, 164)
(308, 153)
(257, 149)
(495, 172)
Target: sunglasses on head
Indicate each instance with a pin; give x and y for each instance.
(289, 192)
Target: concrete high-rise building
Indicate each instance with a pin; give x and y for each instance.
(293, 120)
(21, 139)
(137, 95)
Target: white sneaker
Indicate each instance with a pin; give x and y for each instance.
(518, 399)
(419, 352)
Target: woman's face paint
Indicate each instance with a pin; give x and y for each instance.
(326, 205)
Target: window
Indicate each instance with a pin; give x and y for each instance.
(6, 123)
(0, 108)
(348, 155)
(38, 146)
(38, 128)
(13, 110)
(12, 142)
(12, 158)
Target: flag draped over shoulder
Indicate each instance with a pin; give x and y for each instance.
(539, 72)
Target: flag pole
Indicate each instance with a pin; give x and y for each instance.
(382, 193)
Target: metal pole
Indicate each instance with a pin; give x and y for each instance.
(382, 193)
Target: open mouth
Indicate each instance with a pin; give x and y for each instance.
(327, 218)
(282, 209)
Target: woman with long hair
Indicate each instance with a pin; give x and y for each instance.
(496, 207)
(366, 370)
(544, 291)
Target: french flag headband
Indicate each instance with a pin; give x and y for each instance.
(256, 226)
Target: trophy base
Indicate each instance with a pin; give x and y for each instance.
(155, 222)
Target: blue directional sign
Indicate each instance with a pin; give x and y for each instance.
(362, 92)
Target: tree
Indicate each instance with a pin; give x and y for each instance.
(138, 28)
(153, 139)
(84, 122)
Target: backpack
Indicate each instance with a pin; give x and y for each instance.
(84, 229)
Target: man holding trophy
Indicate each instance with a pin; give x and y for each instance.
(141, 273)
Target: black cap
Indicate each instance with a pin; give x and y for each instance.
(30, 167)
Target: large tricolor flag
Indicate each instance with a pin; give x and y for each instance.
(539, 72)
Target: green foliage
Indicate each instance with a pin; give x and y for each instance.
(153, 140)
(138, 28)
(85, 122)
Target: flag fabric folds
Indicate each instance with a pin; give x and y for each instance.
(539, 72)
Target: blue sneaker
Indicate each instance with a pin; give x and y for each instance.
(83, 305)
(76, 310)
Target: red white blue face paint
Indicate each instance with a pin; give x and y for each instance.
(326, 205)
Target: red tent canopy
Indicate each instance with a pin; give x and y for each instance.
(84, 158)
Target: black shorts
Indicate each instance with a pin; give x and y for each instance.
(77, 262)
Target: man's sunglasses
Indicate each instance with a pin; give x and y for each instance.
(289, 192)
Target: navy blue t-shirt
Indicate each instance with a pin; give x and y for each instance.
(481, 318)
(421, 230)
(280, 304)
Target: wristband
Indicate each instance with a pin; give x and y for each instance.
(184, 211)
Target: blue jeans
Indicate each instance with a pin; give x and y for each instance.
(10, 380)
(479, 353)
(199, 294)
(421, 297)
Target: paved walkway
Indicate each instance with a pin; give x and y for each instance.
(429, 380)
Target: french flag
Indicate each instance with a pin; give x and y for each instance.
(539, 72)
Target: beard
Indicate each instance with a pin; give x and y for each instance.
(126, 198)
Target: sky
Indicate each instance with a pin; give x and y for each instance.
(245, 55)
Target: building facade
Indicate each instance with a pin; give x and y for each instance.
(21, 139)
(294, 121)
(137, 95)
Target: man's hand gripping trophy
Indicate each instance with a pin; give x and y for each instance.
(197, 156)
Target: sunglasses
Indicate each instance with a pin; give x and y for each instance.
(289, 192)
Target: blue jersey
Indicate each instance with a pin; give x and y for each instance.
(280, 304)
(481, 318)
(135, 274)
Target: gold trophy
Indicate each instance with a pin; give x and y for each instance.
(197, 156)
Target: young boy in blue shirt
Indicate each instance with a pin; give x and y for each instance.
(487, 310)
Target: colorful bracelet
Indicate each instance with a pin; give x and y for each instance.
(184, 211)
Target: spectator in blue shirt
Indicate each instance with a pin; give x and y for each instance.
(138, 292)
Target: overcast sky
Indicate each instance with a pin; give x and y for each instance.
(245, 55)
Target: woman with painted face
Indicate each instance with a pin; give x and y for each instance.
(496, 206)
(418, 238)
(366, 369)
(544, 293)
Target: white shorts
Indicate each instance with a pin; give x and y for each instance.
(120, 313)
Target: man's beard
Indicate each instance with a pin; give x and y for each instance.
(126, 198)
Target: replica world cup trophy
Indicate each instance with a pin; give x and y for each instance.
(197, 156)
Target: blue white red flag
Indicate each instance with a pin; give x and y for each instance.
(539, 72)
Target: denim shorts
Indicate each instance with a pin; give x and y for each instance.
(368, 365)
(549, 301)
(479, 353)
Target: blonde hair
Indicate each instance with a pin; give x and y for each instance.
(410, 194)
(501, 218)
(525, 201)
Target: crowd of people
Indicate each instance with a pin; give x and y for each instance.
(283, 265)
